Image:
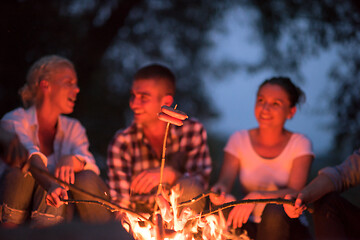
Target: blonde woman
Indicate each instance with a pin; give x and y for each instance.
(55, 143)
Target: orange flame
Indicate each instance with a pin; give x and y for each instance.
(178, 226)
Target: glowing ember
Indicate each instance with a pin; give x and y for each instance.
(169, 224)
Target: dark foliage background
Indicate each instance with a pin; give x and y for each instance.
(109, 40)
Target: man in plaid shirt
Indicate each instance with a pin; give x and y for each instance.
(134, 154)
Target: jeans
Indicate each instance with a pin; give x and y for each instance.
(275, 224)
(23, 199)
(336, 218)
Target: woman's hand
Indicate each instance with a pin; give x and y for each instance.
(241, 213)
(65, 169)
(54, 194)
(218, 197)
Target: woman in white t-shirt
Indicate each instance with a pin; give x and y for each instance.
(270, 162)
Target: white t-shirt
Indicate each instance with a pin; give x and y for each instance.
(262, 174)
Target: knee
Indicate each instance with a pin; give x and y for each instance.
(14, 175)
(84, 178)
(273, 223)
(327, 206)
(15, 185)
(90, 182)
(273, 214)
(190, 184)
(327, 202)
(190, 188)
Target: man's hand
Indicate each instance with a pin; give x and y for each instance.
(296, 210)
(11, 149)
(145, 181)
(54, 194)
(65, 169)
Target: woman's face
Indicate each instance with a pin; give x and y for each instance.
(272, 107)
(63, 90)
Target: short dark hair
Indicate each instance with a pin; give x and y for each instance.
(158, 72)
(296, 95)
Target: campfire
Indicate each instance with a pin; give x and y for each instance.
(168, 223)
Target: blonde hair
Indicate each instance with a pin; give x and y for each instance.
(41, 70)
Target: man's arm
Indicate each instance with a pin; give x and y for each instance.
(316, 189)
(338, 178)
(345, 175)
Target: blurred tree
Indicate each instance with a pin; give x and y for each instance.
(293, 30)
(108, 41)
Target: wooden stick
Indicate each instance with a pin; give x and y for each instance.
(98, 200)
(162, 161)
(159, 227)
(247, 201)
(89, 202)
(163, 156)
(195, 199)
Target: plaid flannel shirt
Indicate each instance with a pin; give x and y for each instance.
(130, 153)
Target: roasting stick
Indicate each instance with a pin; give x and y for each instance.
(195, 199)
(250, 201)
(162, 161)
(234, 203)
(158, 219)
(163, 155)
(103, 202)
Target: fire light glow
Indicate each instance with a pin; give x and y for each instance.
(184, 226)
(169, 223)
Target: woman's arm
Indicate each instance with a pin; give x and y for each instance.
(299, 172)
(54, 190)
(229, 172)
